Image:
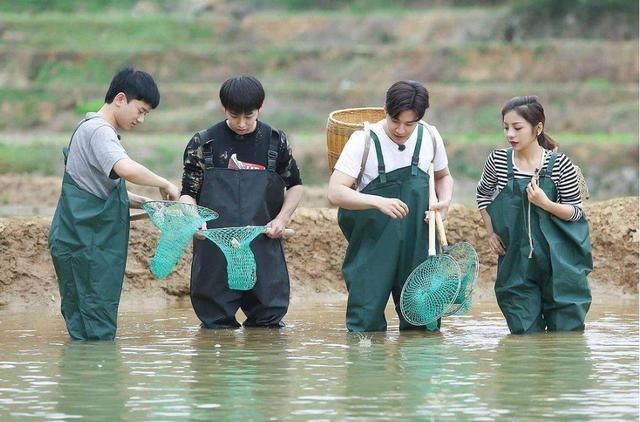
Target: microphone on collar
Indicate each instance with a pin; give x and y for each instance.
(401, 147)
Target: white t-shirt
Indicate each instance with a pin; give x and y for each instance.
(351, 156)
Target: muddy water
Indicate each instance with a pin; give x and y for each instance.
(163, 367)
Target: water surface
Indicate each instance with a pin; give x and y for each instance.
(164, 367)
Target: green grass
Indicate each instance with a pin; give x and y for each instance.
(41, 153)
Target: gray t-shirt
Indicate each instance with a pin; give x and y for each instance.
(95, 149)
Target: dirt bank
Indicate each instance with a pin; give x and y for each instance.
(314, 254)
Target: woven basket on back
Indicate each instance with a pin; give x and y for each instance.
(582, 184)
(342, 123)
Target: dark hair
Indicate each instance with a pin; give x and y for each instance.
(530, 109)
(242, 94)
(407, 95)
(136, 85)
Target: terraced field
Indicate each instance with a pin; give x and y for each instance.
(56, 66)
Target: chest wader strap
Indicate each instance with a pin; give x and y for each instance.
(548, 169)
(207, 148)
(65, 150)
(272, 154)
(510, 164)
(382, 173)
(415, 159)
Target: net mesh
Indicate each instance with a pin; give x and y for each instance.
(177, 223)
(467, 258)
(234, 242)
(430, 289)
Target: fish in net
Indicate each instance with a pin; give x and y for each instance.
(177, 222)
(235, 244)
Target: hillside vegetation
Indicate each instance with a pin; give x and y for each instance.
(59, 55)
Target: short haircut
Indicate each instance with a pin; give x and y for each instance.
(136, 85)
(242, 94)
(407, 95)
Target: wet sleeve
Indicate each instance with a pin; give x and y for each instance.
(193, 173)
(488, 182)
(287, 167)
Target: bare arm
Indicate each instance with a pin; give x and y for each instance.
(495, 242)
(444, 190)
(341, 194)
(138, 174)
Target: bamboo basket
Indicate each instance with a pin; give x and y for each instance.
(342, 123)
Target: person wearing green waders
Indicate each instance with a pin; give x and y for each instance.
(90, 228)
(529, 199)
(244, 169)
(383, 217)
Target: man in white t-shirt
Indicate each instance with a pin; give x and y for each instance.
(384, 218)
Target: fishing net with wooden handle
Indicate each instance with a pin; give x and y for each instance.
(432, 286)
(467, 258)
(235, 244)
(177, 223)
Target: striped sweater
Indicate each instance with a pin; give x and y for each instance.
(563, 174)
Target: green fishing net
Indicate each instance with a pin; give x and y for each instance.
(234, 242)
(467, 258)
(177, 223)
(430, 289)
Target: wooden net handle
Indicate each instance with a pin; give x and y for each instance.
(432, 217)
(138, 216)
(441, 232)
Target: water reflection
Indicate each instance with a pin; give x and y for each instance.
(542, 375)
(241, 373)
(163, 367)
(91, 381)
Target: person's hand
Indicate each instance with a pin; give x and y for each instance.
(442, 207)
(393, 207)
(496, 244)
(536, 195)
(276, 228)
(198, 235)
(170, 192)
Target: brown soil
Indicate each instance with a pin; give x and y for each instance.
(314, 255)
(25, 194)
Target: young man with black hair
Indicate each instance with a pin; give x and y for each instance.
(89, 232)
(384, 218)
(243, 169)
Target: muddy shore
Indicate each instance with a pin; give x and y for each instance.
(314, 254)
